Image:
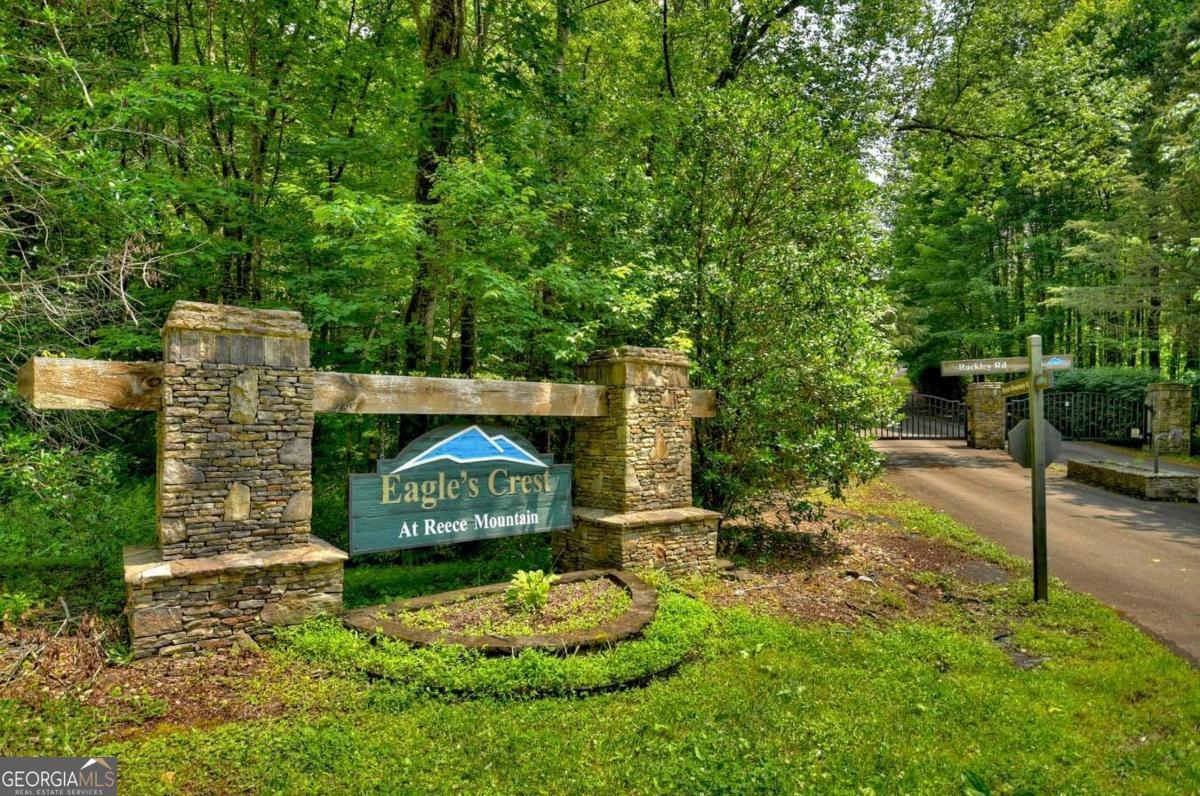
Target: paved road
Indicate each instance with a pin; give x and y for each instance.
(1141, 557)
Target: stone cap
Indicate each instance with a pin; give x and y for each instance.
(144, 565)
(1169, 386)
(196, 316)
(633, 353)
(634, 520)
(631, 365)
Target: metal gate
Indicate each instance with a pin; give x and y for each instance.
(1086, 416)
(928, 417)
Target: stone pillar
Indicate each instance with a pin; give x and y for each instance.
(633, 471)
(234, 498)
(985, 415)
(1172, 412)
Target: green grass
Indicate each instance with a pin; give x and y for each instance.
(678, 628)
(760, 705)
(769, 708)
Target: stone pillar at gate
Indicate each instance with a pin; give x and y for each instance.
(633, 471)
(1172, 412)
(234, 554)
(985, 415)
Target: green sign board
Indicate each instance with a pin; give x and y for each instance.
(458, 484)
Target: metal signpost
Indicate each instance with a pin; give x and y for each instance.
(1037, 446)
(1033, 442)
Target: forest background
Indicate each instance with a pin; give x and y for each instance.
(801, 195)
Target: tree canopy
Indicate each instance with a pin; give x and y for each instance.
(1047, 183)
(484, 189)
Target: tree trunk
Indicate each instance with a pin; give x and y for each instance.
(441, 48)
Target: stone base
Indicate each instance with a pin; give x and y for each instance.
(190, 605)
(1140, 483)
(675, 540)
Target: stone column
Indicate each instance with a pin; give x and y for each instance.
(234, 499)
(1172, 412)
(985, 415)
(633, 470)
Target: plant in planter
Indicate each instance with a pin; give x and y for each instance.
(529, 591)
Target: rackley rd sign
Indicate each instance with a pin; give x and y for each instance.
(982, 367)
(458, 484)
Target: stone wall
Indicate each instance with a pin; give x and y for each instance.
(191, 605)
(1135, 481)
(675, 540)
(1172, 412)
(985, 415)
(633, 471)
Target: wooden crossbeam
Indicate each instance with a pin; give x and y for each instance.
(416, 395)
(50, 383)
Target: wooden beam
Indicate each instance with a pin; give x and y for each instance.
(51, 383)
(362, 393)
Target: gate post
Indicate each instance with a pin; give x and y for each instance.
(1172, 411)
(985, 415)
(234, 554)
(633, 471)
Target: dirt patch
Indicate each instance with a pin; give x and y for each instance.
(841, 568)
(569, 606)
(46, 658)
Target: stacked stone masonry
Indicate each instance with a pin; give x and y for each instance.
(1172, 416)
(235, 432)
(639, 456)
(633, 471)
(1136, 481)
(229, 486)
(234, 487)
(191, 605)
(985, 415)
(674, 540)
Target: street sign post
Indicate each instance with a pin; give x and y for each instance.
(1022, 385)
(984, 367)
(1037, 446)
(1033, 442)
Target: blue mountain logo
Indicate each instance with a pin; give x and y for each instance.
(472, 445)
(1054, 361)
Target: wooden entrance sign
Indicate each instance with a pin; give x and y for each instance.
(235, 396)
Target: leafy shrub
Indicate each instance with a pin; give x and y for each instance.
(1127, 383)
(64, 517)
(14, 605)
(529, 590)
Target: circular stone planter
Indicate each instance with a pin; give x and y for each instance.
(379, 619)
